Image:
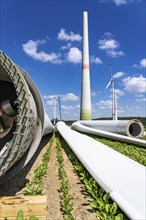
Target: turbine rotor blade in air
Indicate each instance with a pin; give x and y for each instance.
(108, 85)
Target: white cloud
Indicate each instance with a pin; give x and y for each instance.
(95, 60)
(139, 95)
(69, 97)
(93, 93)
(64, 97)
(114, 53)
(67, 107)
(106, 44)
(135, 65)
(49, 96)
(141, 100)
(77, 106)
(120, 2)
(31, 47)
(134, 111)
(118, 74)
(66, 47)
(142, 64)
(135, 84)
(62, 35)
(120, 109)
(105, 104)
(74, 55)
(50, 102)
(119, 92)
(110, 45)
(45, 97)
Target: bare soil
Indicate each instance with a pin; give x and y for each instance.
(82, 210)
(53, 188)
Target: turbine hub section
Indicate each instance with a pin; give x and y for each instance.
(18, 114)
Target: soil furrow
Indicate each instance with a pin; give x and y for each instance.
(53, 188)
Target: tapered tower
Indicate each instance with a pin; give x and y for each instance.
(85, 110)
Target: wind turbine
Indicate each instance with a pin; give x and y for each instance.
(114, 98)
(54, 110)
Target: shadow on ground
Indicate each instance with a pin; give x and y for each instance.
(10, 187)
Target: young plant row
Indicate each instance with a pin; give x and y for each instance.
(104, 207)
(132, 151)
(36, 186)
(66, 198)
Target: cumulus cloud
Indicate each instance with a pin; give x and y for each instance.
(63, 35)
(105, 44)
(45, 97)
(50, 96)
(69, 97)
(67, 107)
(64, 97)
(93, 93)
(135, 84)
(120, 2)
(31, 47)
(118, 74)
(141, 100)
(110, 45)
(66, 47)
(119, 92)
(77, 106)
(95, 60)
(105, 104)
(139, 95)
(142, 64)
(120, 109)
(114, 53)
(74, 55)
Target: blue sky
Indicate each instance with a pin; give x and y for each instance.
(45, 39)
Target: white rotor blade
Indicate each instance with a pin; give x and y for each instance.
(108, 85)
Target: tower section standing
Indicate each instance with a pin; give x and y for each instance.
(85, 110)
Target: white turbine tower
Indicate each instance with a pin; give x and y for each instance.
(85, 111)
(114, 98)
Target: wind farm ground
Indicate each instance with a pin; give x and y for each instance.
(81, 208)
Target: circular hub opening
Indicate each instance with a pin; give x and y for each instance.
(7, 123)
(135, 129)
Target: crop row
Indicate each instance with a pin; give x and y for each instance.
(36, 186)
(104, 207)
(66, 198)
